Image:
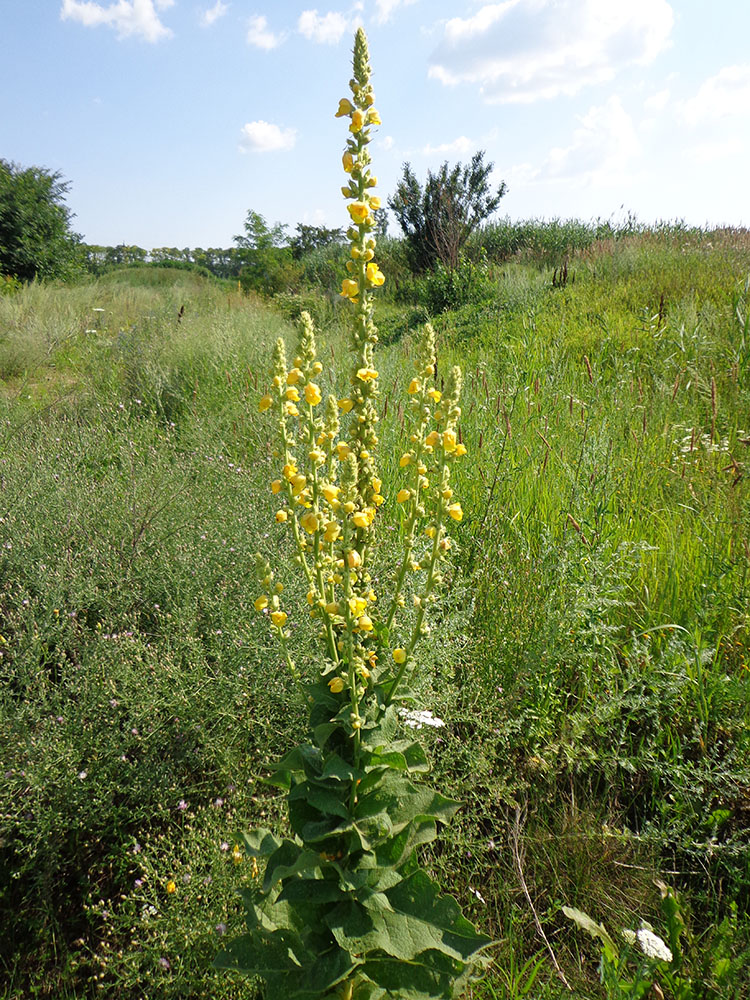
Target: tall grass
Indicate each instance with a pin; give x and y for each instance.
(595, 682)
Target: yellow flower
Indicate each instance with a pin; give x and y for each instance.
(373, 118)
(294, 376)
(359, 211)
(346, 404)
(289, 471)
(332, 531)
(332, 608)
(281, 516)
(312, 393)
(435, 395)
(345, 108)
(353, 559)
(399, 655)
(291, 409)
(358, 120)
(276, 486)
(365, 623)
(317, 368)
(405, 459)
(403, 495)
(366, 374)
(378, 499)
(377, 484)
(278, 618)
(261, 602)
(348, 160)
(330, 492)
(375, 202)
(292, 394)
(171, 887)
(449, 441)
(460, 450)
(298, 484)
(265, 403)
(309, 522)
(432, 439)
(374, 275)
(454, 511)
(342, 449)
(236, 854)
(349, 288)
(430, 531)
(414, 386)
(336, 684)
(357, 606)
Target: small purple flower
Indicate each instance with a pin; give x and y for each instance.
(219, 803)
(221, 929)
(138, 883)
(136, 848)
(164, 963)
(182, 805)
(224, 845)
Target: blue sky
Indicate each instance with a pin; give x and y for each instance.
(172, 118)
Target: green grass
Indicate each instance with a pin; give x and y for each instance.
(590, 654)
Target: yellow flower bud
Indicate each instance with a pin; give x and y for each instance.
(264, 403)
(449, 441)
(281, 516)
(279, 618)
(309, 522)
(454, 511)
(170, 887)
(332, 531)
(336, 684)
(348, 161)
(298, 484)
(276, 486)
(414, 386)
(345, 108)
(403, 495)
(353, 559)
(358, 120)
(375, 202)
(399, 655)
(359, 211)
(261, 602)
(312, 393)
(317, 368)
(405, 459)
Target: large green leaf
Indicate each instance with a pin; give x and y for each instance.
(327, 800)
(404, 801)
(289, 859)
(431, 976)
(260, 843)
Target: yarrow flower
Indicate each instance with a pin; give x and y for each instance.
(652, 945)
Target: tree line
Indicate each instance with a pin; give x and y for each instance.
(435, 217)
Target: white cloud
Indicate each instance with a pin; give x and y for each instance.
(386, 7)
(387, 142)
(259, 35)
(462, 146)
(325, 29)
(138, 18)
(658, 101)
(722, 96)
(602, 149)
(264, 137)
(208, 17)
(525, 50)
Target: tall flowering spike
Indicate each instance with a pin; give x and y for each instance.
(364, 272)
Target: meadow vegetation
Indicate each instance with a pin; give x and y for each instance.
(590, 653)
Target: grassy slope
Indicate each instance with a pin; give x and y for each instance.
(595, 677)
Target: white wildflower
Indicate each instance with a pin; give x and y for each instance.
(477, 893)
(652, 945)
(418, 719)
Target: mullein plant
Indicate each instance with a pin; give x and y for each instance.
(341, 908)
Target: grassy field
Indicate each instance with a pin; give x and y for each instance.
(590, 655)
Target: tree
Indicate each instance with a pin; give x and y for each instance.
(36, 240)
(438, 219)
(266, 260)
(308, 238)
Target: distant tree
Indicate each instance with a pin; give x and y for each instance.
(267, 263)
(438, 218)
(36, 240)
(308, 238)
